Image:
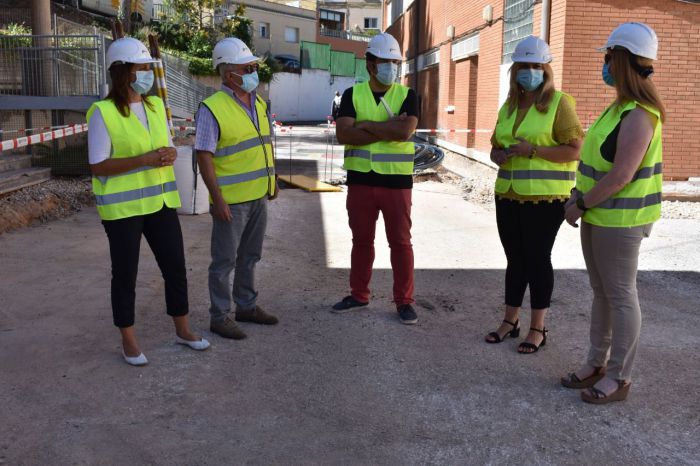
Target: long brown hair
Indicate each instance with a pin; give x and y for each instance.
(119, 94)
(545, 93)
(630, 85)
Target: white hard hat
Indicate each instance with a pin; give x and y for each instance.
(383, 45)
(233, 51)
(638, 38)
(532, 49)
(128, 50)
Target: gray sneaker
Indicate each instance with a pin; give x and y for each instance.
(227, 328)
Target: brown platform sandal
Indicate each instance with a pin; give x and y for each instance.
(597, 397)
(572, 380)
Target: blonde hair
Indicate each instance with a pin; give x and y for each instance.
(630, 85)
(545, 92)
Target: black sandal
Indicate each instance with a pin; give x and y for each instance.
(535, 348)
(515, 333)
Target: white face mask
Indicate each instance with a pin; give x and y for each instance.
(387, 72)
(144, 81)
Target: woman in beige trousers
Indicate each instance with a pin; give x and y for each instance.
(618, 198)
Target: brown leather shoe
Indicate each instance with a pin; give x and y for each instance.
(257, 316)
(227, 329)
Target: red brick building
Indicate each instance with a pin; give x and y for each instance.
(457, 61)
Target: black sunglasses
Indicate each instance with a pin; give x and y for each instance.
(251, 68)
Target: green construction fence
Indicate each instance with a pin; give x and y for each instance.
(320, 57)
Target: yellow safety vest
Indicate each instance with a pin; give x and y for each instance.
(533, 176)
(639, 202)
(384, 157)
(243, 161)
(143, 190)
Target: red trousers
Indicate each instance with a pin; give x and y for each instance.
(364, 204)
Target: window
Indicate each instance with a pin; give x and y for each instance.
(465, 48)
(371, 23)
(407, 67)
(333, 20)
(428, 59)
(331, 15)
(517, 24)
(264, 30)
(291, 35)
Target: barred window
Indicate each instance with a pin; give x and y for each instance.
(517, 24)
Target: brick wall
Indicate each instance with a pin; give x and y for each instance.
(587, 26)
(470, 85)
(577, 27)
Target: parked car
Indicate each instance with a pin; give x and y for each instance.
(290, 63)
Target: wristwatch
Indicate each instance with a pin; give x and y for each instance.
(580, 204)
(533, 151)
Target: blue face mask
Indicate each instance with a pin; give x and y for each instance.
(144, 82)
(250, 81)
(607, 76)
(386, 73)
(530, 79)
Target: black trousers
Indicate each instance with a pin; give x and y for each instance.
(527, 231)
(164, 236)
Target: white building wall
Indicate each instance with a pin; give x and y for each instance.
(305, 97)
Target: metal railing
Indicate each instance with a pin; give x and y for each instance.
(57, 65)
(184, 93)
(348, 35)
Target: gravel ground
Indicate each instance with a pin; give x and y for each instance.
(478, 187)
(54, 199)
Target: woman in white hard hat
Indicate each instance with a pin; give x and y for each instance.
(536, 145)
(131, 158)
(618, 198)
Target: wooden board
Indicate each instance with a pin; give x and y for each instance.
(309, 184)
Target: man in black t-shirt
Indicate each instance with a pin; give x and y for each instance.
(376, 121)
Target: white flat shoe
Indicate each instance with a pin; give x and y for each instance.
(199, 345)
(139, 360)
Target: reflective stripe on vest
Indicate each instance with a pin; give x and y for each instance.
(533, 176)
(536, 175)
(143, 190)
(243, 177)
(642, 173)
(639, 202)
(243, 161)
(141, 193)
(241, 146)
(384, 157)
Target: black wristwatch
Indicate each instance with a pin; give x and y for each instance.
(580, 204)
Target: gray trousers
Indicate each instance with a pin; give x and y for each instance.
(611, 256)
(236, 246)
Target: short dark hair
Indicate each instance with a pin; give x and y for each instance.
(370, 57)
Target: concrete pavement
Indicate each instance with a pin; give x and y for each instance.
(321, 388)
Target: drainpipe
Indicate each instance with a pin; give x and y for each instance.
(416, 44)
(546, 13)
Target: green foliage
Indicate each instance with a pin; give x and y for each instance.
(200, 45)
(191, 35)
(173, 35)
(237, 25)
(15, 29)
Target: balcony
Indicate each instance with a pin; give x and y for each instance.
(347, 35)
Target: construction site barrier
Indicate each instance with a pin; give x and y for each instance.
(16, 143)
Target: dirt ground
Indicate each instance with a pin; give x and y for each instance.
(321, 388)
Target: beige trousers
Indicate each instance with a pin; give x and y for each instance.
(611, 256)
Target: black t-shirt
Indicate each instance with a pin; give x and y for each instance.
(371, 178)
